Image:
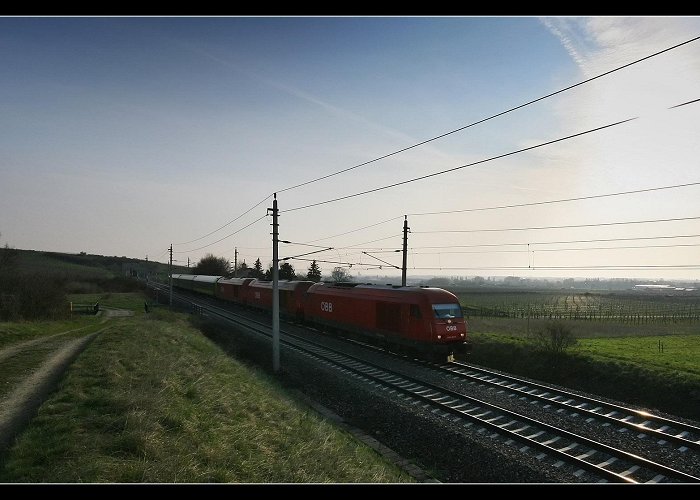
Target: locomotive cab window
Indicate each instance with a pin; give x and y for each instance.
(447, 311)
(415, 311)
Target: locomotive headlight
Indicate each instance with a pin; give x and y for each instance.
(439, 337)
(461, 334)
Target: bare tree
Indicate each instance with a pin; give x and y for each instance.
(340, 274)
(555, 338)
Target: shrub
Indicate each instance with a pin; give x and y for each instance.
(555, 338)
(32, 297)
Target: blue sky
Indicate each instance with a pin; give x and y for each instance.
(122, 135)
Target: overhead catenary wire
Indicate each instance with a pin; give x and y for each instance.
(567, 226)
(562, 242)
(532, 244)
(350, 264)
(442, 172)
(382, 250)
(358, 229)
(228, 223)
(559, 268)
(366, 242)
(518, 205)
(492, 158)
(225, 237)
(307, 253)
(626, 247)
(564, 200)
(528, 103)
(531, 248)
(304, 244)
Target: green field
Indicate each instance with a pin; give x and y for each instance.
(125, 300)
(654, 366)
(153, 400)
(640, 308)
(676, 353)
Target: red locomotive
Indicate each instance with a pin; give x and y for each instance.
(426, 321)
(421, 320)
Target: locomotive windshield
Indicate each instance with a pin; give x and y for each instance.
(447, 311)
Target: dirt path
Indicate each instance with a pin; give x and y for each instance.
(22, 403)
(15, 348)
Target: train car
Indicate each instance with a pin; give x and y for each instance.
(422, 320)
(291, 297)
(234, 289)
(196, 283)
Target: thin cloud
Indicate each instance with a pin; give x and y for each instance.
(565, 31)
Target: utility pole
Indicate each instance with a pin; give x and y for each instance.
(188, 262)
(275, 290)
(405, 250)
(170, 272)
(235, 263)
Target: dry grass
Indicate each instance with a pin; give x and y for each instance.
(156, 402)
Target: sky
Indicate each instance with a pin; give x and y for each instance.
(124, 135)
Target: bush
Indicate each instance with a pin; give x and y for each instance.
(555, 338)
(31, 297)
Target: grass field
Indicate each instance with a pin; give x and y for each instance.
(675, 353)
(638, 308)
(128, 300)
(152, 400)
(12, 333)
(48, 264)
(623, 362)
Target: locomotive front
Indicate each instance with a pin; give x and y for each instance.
(448, 326)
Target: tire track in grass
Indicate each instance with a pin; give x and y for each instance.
(22, 404)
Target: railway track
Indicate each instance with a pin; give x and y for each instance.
(588, 459)
(644, 424)
(583, 454)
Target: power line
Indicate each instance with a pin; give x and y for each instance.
(340, 262)
(580, 198)
(566, 200)
(358, 246)
(556, 227)
(358, 229)
(446, 134)
(490, 117)
(161, 254)
(528, 245)
(307, 253)
(564, 242)
(628, 247)
(227, 236)
(685, 103)
(372, 241)
(228, 223)
(559, 249)
(414, 179)
(556, 268)
(304, 244)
